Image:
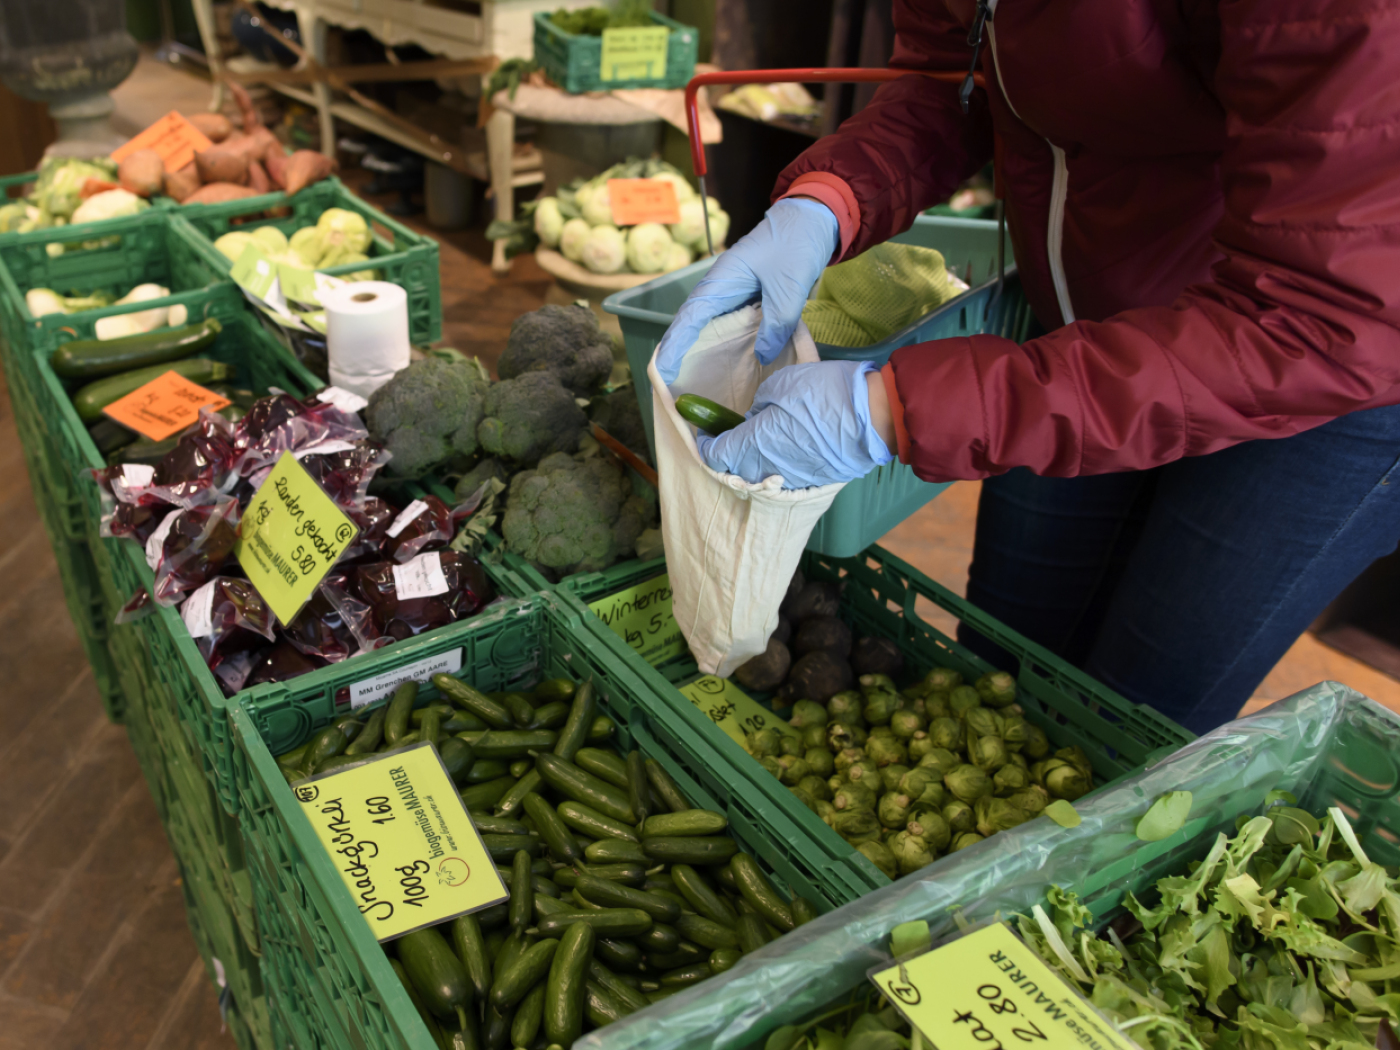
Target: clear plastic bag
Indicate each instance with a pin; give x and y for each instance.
(226, 616)
(280, 663)
(320, 630)
(423, 525)
(373, 517)
(432, 590)
(190, 547)
(280, 423)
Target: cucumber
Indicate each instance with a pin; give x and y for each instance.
(685, 823)
(803, 910)
(88, 359)
(583, 903)
(702, 896)
(520, 767)
(483, 769)
(503, 848)
(602, 730)
(470, 945)
(615, 895)
(712, 418)
(143, 451)
(687, 953)
(93, 398)
(552, 689)
(565, 990)
(550, 716)
(550, 906)
(429, 1021)
(492, 918)
(581, 786)
(437, 974)
(467, 1038)
(431, 726)
(481, 796)
(416, 717)
(509, 804)
(456, 759)
(602, 764)
(497, 825)
(589, 821)
(514, 979)
(615, 851)
(686, 975)
(759, 892)
(335, 762)
(400, 707)
(630, 999)
(544, 885)
(495, 1030)
(661, 938)
(509, 743)
(608, 922)
(461, 722)
(109, 435)
(628, 873)
(706, 932)
(557, 837)
(528, 1017)
(666, 791)
(690, 849)
(327, 743)
(619, 954)
(521, 710)
(464, 696)
(601, 1006)
(638, 791)
(576, 728)
(369, 737)
(722, 959)
(522, 891)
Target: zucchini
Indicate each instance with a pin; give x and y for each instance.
(437, 974)
(589, 821)
(93, 398)
(615, 895)
(473, 702)
(470, 944)
(88, 359)
(615, 851)
(581, 786)
(706, 932)
(666, 791)
(712, 418)
(602, 764)
(607, 922)
(702, 896)
(690, 849)
(556, 836)
(565, 991)
(685, 823)
(576, 729)
(109, 436)
(519, 974)
(526, 1024)
(759, 892)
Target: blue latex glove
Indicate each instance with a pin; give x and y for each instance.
(778, 261)
(809, 423)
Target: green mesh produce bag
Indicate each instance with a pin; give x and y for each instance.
(877, 293)
(1329, 745)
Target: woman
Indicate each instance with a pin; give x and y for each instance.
(1205, 203)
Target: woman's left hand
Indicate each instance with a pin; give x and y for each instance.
(814, 424)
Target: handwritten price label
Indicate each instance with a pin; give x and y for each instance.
(643, 200)
(641, 617)
(988, 991)
(291, 535)
(732, 709)
(402, 840)
(634, 53)
(164, 406)
(172, 136)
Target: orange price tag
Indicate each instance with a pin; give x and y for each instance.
(164, 406)
(172, 136)
(643, 200)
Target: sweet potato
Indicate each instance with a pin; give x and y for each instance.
(92, 187)
(222, 164)
(218, 193)
(304, 167)
(142, 173)
(258, 181)
(180, 184)
(251, 118)
(275, 164)
(216, 126)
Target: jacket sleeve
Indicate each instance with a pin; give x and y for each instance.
(909, 147)
(1299, 324)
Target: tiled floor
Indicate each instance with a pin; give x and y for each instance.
(94, 950)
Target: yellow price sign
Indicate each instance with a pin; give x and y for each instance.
(641, 617)
(634, 54)
(291, 535)
(732, 709)
(402, 840)
(989, 991)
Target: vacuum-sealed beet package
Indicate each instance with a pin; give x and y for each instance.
(281, 662)
(344, 472)
(320, 629)
(137, 607)
(135, 520)
(194, 471)
(227, 615)
(280, 423)
(190, 546)
(432, 590)
(341, 591)
(423, 524)
(373, 518)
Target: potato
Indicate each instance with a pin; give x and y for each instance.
(815, 599)
(304, 167)
(216, 126)
(218, 193)
(822, 633)
(817, 676)
(180, 184)
(877, 656)
(142, 173)
(767, 670)
(222, 164)
(258, 181)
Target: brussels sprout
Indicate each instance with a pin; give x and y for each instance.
(997, 689)
(881, 733)
(820, 761)
(894, 810)
(886, 752)
(856, 825)
(988, 753)
(846, 707)
(1076, 757)
(891, 775)
(963, 699)
(880, 706)
(946, 733)
(826, 810)
(912, 852)
(1037, 744)
(789, 745)
(881, 682)
(1044, 766)
(959, 816)
(967, 838)
(936, 706)
(846, 758)
(1032, 801)
(807, 713)
(983, 721)
(905, 724)
(793, 769)
(852, 796)
(1018, 759)
(919, 745)
(572, 238)
(929, 825)
(941, 680)
(941, 761)
(816, 787)
(814, 736)
(1010, 779)
(839, 737)
(879, 854)
(914, 782)
(1068, 783)
(1014, 730)
(996, 814)
(968, 783)
(549, 221)
(804, 796)
(765, 743)
(864, 774)
(935, 795)
(858, 734)
(771, 765)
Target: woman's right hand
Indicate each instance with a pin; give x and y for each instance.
(776, 263)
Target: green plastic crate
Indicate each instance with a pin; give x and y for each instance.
(869, 507)
(574, 61)
(335, 959)
(881, 598)
(406, 258)
(1329, 745)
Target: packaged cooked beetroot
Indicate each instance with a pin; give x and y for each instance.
(342, 591)
(281, 662)
(373, 517)
(320, 629)
(135, 520)
(233, 670)
(423, 524)
(137, 607)
(280, 423)
(196, 469)
(190, 546)
(345, 473)
(432, 590)
(225, 616)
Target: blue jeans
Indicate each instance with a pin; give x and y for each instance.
(1182, 586)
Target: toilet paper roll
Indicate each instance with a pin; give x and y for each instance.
(366, 334)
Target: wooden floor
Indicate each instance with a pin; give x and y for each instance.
(94, 949)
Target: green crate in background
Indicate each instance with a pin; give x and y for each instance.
(880, 598)
(574, 61)
(408, 259)
(328, 952)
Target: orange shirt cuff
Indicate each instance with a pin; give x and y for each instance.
(896, 412)
(832, 191)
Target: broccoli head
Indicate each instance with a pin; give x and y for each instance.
(575, 513)
(564, 340)
(428, 414)
(529, 417)
(619, 414)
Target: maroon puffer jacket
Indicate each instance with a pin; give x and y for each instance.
(1206, 193)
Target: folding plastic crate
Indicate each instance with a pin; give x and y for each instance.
(335, 956)
(869, 507)
(574, 61)
(408, 259)
(880, 598)
(1329, 746)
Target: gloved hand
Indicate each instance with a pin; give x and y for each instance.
(809, 423)
(779, 261)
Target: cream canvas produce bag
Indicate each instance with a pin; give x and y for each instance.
(731, 546)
